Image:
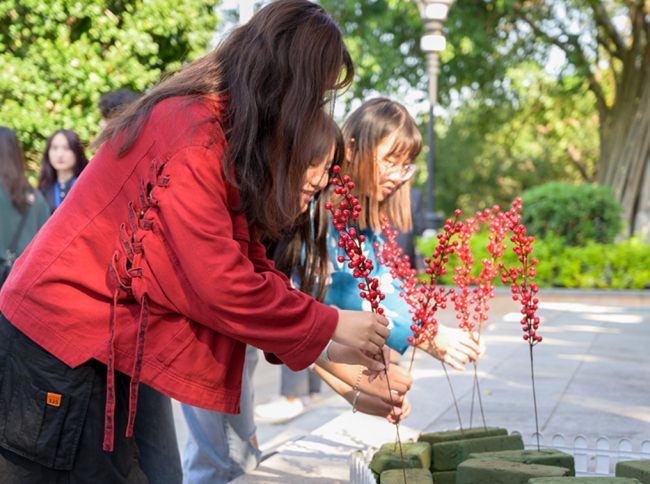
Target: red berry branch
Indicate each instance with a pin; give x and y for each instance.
(471, 300)
(345, 216)
(424, 296)
(524, 288)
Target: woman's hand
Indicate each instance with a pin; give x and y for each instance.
(361, 329)
(454, 347)
(400, 380)
(380, 408)
(367, 404)
(339, 353)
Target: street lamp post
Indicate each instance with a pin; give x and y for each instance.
(434, 13)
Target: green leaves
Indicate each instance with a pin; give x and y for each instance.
(59, 57)
(383, 37)
(620, 265)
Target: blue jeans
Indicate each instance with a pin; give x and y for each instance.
(299, 383)
(218, 447)
(156, 437)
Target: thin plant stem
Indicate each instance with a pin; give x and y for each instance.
(532, 375)
(471, 411)
(412, 358)
(390, 394)
(480, 401)
(476, 384)
(462, 431)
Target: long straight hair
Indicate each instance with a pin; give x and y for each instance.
(303, 248)
(12, 169)
(48, 173)
(269, 78)
(363, 131)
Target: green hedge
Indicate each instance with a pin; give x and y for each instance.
(621, 265)
(579, 213)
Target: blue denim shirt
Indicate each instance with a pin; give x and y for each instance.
(343, 291)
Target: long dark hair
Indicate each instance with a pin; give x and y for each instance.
(363, 131)
(12, 168)
(272, 75)
(48, 173)
(303, 248)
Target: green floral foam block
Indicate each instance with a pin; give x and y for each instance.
(451, 435)
(637, 469)
(413, 476)
(480, 471)
(547, 457)
(447, 456)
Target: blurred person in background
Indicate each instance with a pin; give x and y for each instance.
(111, 104)
(63, 161)
(23, 210)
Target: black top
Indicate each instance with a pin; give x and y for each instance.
(49, 191)
(406, 240)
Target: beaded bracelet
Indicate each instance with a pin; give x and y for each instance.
(354, 402)
(356, 387)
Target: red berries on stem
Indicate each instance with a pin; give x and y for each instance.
(351, 241)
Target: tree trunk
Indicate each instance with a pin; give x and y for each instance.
(625, 160)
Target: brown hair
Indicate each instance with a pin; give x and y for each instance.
(12, 168)
(304, 246)
(48, 173)
(273, 75)
(363, 132)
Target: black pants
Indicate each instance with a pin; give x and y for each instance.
(52, 419)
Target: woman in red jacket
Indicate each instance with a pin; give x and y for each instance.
(153, 271)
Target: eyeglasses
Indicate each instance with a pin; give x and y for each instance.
(397, 172)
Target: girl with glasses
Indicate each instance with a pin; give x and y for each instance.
(382, 140)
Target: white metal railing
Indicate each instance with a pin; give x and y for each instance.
(597, 459)
(360, 473)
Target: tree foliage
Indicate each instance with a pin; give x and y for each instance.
(58, 57)
(383, 37)
(491, 150)
(602, 47)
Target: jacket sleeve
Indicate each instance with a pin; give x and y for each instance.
(257, 255)
(226, 290)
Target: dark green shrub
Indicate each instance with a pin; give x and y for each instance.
(578, 213)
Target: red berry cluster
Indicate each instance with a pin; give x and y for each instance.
(345, 215)
(471, 301)
(424, 296)
(520, 278)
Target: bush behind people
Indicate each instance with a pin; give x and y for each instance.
(578, 213)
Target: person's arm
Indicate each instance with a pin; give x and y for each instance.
(223, 290)
(400, 380)
(368, 404)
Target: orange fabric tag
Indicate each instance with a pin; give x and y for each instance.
(54, 399)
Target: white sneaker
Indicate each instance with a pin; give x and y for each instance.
(280, 408)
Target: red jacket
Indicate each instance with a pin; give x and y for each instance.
(154, 235)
